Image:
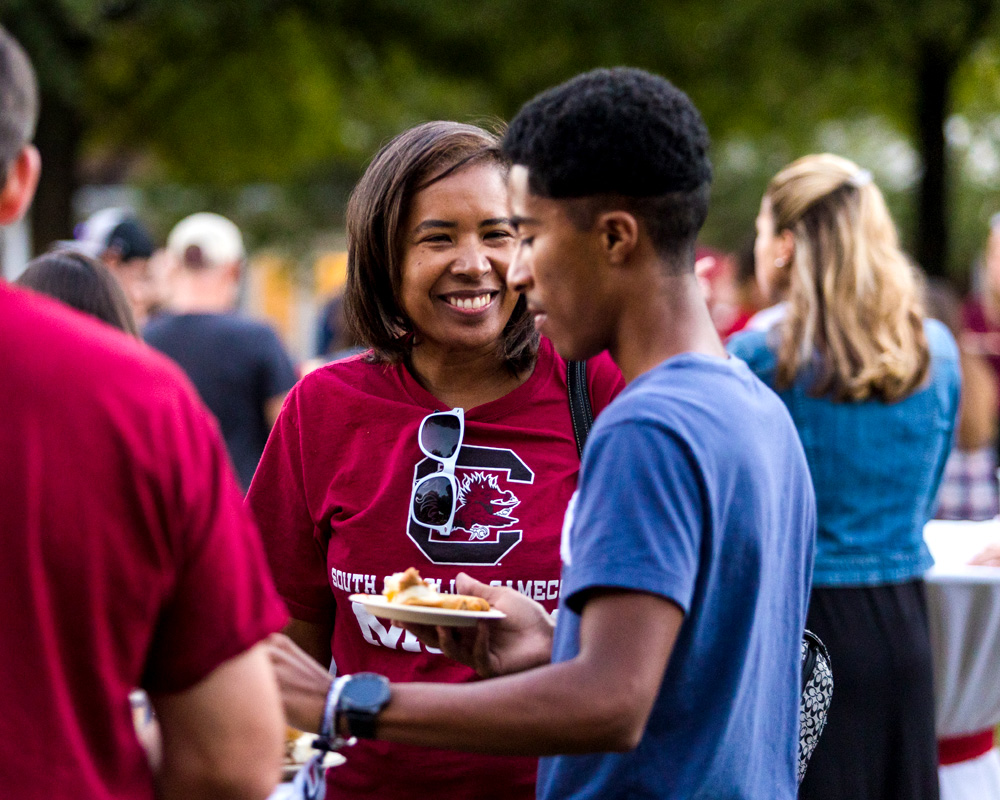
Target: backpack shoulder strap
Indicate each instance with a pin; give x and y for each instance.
(580, 409)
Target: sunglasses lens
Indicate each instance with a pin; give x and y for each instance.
(441, 435)
(433, 501)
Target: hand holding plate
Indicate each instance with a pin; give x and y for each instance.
(520, 641)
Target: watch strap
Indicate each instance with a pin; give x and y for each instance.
(360, 724)
(327, 729)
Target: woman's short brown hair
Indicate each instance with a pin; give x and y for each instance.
(377, 210)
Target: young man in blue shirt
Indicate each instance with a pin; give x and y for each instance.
(673, 668)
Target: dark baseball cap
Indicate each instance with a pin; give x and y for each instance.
(118, 230)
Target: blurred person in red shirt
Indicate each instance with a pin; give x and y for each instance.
(730, 287)
(126, 558)
(981, 310)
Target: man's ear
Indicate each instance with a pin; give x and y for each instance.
(234, 270)
(112, 257)
(19, 189)
(619, 233)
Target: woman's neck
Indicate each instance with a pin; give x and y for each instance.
(466, 379)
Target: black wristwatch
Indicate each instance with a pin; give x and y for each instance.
(361, 699)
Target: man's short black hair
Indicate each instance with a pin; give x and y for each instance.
(624, 135)
(18, 100)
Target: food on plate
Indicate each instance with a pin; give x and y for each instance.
(298, 750)
(409, 589)
(294, 753)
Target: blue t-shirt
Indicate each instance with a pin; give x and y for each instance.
(236, 364)
(876, 466)
(694, 487)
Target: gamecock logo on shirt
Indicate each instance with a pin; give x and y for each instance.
(485, 528)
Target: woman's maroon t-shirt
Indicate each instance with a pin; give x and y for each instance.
(332, 499)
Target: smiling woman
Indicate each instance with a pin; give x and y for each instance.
(353, 485)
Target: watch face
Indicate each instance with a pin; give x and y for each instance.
(365, 692)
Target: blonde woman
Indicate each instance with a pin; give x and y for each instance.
(873, 388)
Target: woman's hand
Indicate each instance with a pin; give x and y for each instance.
(521, 641)
(989, 557)
(303, 682)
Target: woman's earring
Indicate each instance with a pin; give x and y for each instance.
(780, 262)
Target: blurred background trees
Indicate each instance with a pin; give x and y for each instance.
(268, 109)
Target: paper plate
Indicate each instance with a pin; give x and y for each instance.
(378, 606)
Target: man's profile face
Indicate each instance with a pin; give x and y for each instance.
(557, 266)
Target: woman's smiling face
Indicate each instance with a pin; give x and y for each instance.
(457, 242)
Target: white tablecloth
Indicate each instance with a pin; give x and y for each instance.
(964, 611)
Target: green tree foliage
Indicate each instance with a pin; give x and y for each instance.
(221, 93)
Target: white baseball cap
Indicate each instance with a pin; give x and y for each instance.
(206, 240)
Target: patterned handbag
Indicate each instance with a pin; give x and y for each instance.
(817, 676)
(817, 692)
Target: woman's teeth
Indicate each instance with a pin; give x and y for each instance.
(469, 302)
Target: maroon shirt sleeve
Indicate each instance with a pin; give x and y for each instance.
(278, 502)
(223, 600)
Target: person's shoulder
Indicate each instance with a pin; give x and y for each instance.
(658, 394)
(253, 323)
(239, 323)
(945, 360)
(172, 333)
(693, 390)
(49, 338)
(354, 375)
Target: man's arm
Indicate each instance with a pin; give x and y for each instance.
(279, 375)
(223, 737)
(598, 701)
